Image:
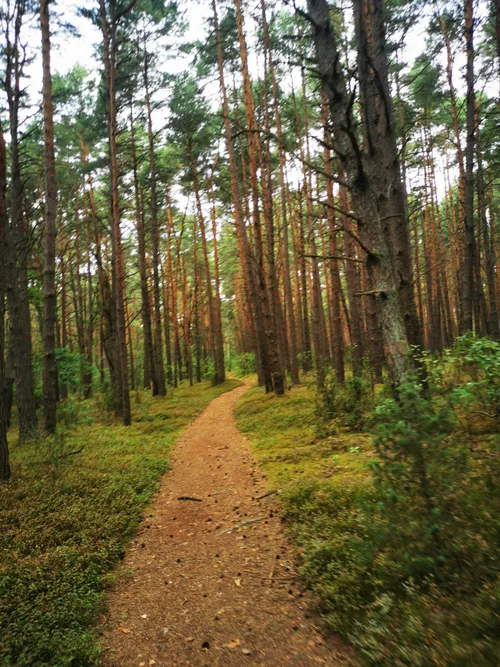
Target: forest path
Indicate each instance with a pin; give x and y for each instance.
(195, 595)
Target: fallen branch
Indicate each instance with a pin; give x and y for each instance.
(61, 456)
(240, 525)
(196, 500)
(269, 493)
(76, 451)
(292, 577)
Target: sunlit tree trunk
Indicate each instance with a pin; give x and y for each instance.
(265, 300)
(243, 244)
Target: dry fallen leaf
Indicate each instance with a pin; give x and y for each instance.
(234, 644)
(125, 631)
(103, 619)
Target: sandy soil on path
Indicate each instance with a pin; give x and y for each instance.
(192, 592)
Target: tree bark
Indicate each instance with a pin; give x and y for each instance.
(108, 28)
(468, 279)
(5, 471)
(149, 367)
(49, 369)
(366, 179)
(18, 247)
(159, 374)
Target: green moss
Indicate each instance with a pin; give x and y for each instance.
(65, 521)
(360, 548)
(283, 435)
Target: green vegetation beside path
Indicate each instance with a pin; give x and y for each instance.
(406, 570)
(66, 517)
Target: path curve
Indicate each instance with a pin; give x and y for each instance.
(191, 594)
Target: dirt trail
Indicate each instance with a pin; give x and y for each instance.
(191, 594)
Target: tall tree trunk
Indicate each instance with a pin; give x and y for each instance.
(149, 368)
(118, 268)
(18, 247)
(366, 179)
(290, 320)
(63, 387)
(265, 299)
(159, 375)
(4, 413)
(251, 287)
(218, 377)
(492, 323)
(380, 135)
(333, 264)
(219, 340)
(89, 324)
(49, 369)
(469, 293)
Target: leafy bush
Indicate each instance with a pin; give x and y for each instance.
(69, 366)
(347, 406)
(244, 364)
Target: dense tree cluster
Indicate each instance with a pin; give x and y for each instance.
(311, 190)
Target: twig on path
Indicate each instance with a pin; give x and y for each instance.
(240, 525)
(273, 578)
(196, 500)
(269, 493)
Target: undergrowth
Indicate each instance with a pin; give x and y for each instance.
(66, 517)
(399, 527)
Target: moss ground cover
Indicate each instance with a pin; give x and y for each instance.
(404, 588)
(66, 516)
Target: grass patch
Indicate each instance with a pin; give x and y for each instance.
(366, 555)
(283, 435)
(66, 518)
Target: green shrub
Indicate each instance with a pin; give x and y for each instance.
(244, 364)
(404, 562)
(348, 406)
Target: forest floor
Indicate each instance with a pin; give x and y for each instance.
(212, 581)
